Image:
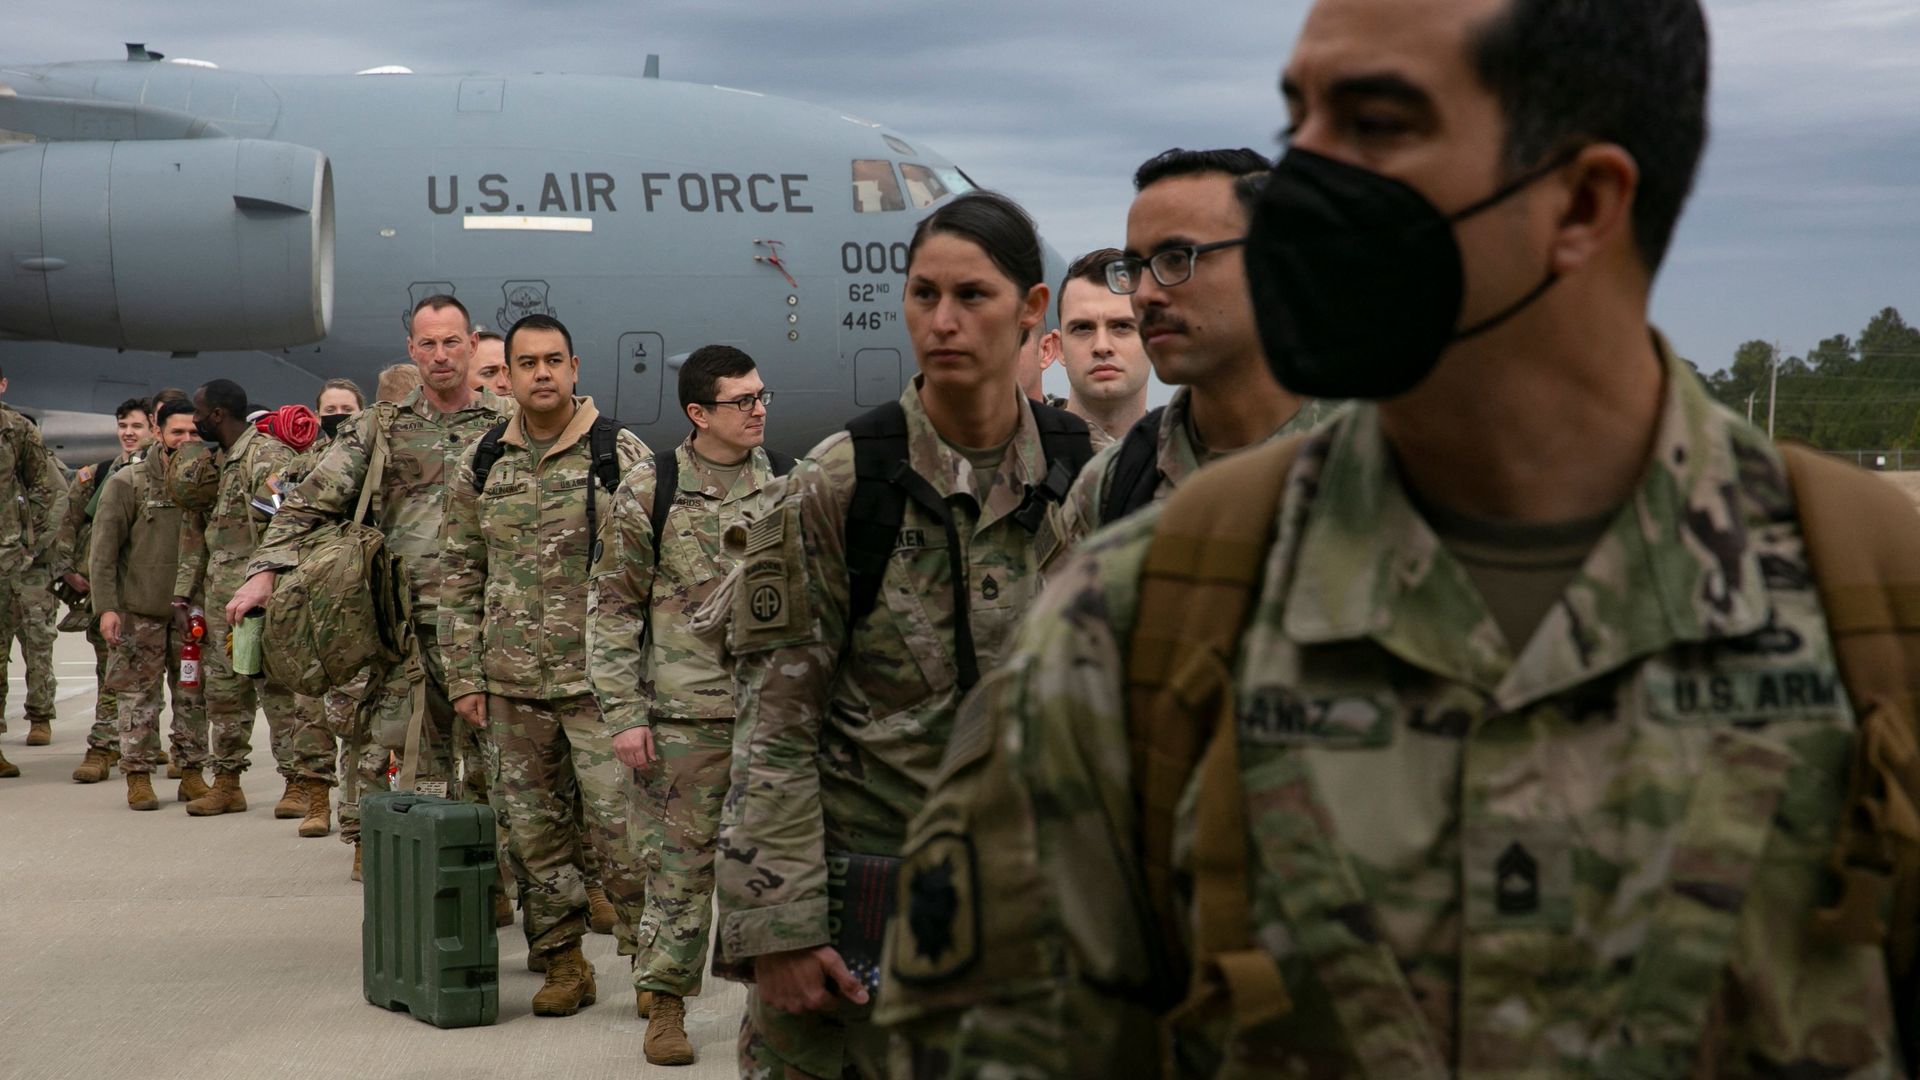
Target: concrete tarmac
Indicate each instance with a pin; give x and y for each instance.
(153, 945)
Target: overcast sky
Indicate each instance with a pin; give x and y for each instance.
(1806, 222)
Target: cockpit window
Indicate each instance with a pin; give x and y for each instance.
(924, 186)
(899, 145)
(874, 188)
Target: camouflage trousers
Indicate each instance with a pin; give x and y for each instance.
(342, 706)
(105, 733)
(142, 669)
(31, 615)
(551, 751)
(675, 823)
(841, 1045)
(296, 729)
(383, 715)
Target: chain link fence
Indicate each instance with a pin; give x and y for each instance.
(1879, 460)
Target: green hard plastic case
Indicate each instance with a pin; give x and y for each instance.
(427, 943)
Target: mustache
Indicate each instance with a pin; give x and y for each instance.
(1157, 319)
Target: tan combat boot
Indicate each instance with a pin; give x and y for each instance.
(643, 1003)
(667, 1042)
(39, 733)
(502, 908)
(356, 862)
(536, 961)
(224, 798)
(140, 794)
(173, 771)
(318, 820)
(600, 914)
(569, 986)
(193, 784)
(95, 766)
(8, 770)
(293, 801)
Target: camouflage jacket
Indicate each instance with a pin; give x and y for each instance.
(33, 493)
(83, 505)
(215, 546)
(841, 728)
(1594, 853)
(424, 447)
(646, 661)
(1175, 458)
(134, 564)
(517, 558)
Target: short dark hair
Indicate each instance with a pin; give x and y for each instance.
(351, 387)
(172, 393)
(133, 404)
(1629, 72)
(487, 335)
(998, 225)
(700, 376)
(439, 302)
(539, 320)
(225, 394)
(171, 408)
(1179, 162)
(1089, 267)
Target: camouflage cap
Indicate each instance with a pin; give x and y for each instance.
(193, 477)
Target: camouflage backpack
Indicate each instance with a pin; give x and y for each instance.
(346, 604)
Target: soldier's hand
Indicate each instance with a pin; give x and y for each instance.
(182, 608)
(806, 980)
(255, 593)
(634, 748)
(472, 708)
(110, 627)
(76, 582)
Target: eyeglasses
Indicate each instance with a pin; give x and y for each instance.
(1170, 267)
(744, 404)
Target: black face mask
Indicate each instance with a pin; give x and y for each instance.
(331, 422)
(206, 429)
(1357, 279)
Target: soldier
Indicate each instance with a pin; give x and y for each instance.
(133, 561)
(1098, 344)
(667, 696)
(133, 425)
(425, 434)
(1503, 779)
(490, 363)
(340, 398)
(522, 525)
(1183, 271)
(892, 570)
(397, 381)
(32, 501)
(215, 545)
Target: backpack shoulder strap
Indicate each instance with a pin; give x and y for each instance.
(666, 485)
(487, 455)
(779, 463)
(1135, 471)
(1860, 534)
(603, 441)
(1197, 589)
(1066, 443)
(878, 506)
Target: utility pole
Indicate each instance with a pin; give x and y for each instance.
(1750, 396)
(1773, 388)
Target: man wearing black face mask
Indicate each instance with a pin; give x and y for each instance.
(1455, 738)
(1183, 272)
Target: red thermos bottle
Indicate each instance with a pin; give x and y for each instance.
(190, 651)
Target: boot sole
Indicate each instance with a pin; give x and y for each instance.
(670, 1059)
(230, 808)
(288, 813)
(154, 805)
(551, 1011)
(310, 832)
(88, 779)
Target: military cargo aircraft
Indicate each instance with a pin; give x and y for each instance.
(166, 222)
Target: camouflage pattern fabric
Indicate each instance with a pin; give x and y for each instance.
(70, 557)
(1595, 852)
(550, 753)
(105, 732)
(842, 729)
(675, 819)
(343, 709)
(1176, 457)
(33, 500)
(34, 616)
(146, 658)
(769, 1047)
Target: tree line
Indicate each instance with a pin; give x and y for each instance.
(1860, 393)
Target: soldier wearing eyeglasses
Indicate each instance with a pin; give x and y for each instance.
(1183, 271)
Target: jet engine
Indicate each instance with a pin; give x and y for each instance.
(181, 245)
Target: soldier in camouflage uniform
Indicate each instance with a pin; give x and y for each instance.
(666, 693)
(33, 496)
(134, 560)
(842, 727)
(1196, 321)
(215, 545)
(133, 423)
(426, 434)
(519, 544)
(1536, 720)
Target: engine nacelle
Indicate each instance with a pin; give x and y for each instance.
(181, 245)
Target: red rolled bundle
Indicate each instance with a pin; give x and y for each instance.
(294, 425)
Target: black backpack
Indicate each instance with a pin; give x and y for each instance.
(666, 483)
(884, 481)
(1135, 470)
(603, 445)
